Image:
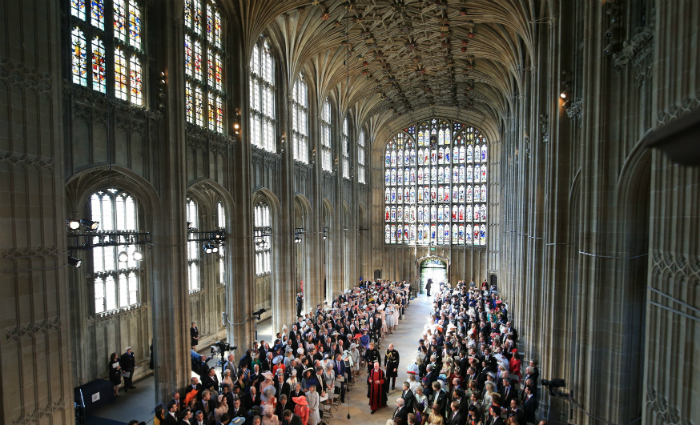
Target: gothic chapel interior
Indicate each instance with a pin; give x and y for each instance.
(167, 161)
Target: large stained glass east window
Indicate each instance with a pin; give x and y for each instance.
(436, 185)
(204, 69)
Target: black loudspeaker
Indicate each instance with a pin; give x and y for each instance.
(494, 280)
(377, 274)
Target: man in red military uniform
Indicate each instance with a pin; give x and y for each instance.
(377, 388)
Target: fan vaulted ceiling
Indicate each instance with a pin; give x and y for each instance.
(383, 59)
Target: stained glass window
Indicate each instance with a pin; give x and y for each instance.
(189, 102)
(115, 281)
(361, 158)
(300, 120)
(97, 14)
(134, 25)
(120, 79)
(435, 176)
(135, 80)
(262, 97)
(99, 73)
(79, 57)
(193, 248)
(77, 9)
(326, 135)
(345, 141)
(204, 65)
(123, 41)
(120, 20)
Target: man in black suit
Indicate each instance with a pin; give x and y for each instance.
(211, 381)
(529, 406)
(171, 416)
(199, 419)
(494, 416)
(281, 387)
(507, 392)
(186, 417)
(456, 417)
(440, 397)
(127, 362)
(401, 410)
(290, 418)
(407, 396)
(237, 410)
(300, 303)
(194, 385)
(251, 399)
(205, 404)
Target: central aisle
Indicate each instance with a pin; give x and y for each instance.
(405, 340)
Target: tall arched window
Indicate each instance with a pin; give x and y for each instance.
(263, 124)
(193, 248)
(361, 157)
(300, 120)
(326, 135)
(204, 69)
(435, 178)
(114, 269)
(221, 256)
(345, 142)
(263, 245)
(95, 48)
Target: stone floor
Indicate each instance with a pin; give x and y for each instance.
(138, 404)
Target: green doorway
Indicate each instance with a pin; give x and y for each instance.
(435, 269)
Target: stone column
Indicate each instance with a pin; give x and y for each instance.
(171, 308)
(35, 352)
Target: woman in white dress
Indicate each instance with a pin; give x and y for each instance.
(313, 399)
(355, 354)
(396, 316)
(390, 318)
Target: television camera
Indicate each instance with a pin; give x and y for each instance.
(553, 384)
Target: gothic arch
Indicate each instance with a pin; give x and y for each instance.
(84, 183)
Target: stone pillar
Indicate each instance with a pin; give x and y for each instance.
(36, 362)
(171, 308)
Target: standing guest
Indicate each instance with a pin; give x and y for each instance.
(115, 373)
(428, 286)
(391, 362)
(211, 381)
(494, 416)
(127, 362)
(186, 417)
(270, 418)
(371, 356)
(407, 396)
(238, 410)
(302, 409)
(313, 400)
(159, 417)
(435, 417)
(221, 407)
(206, 404)
(376, 388)
(199, 419)
(171, 417)
(227, 379)
(300, 303)
(194, 335)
